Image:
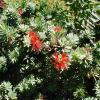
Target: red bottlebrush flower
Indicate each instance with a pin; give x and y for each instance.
(33, 35)
(38, 45)
(60, 61)
(56, 56)
(20, 11)
(35, 41)
(2, 4)
(57, 29)
(65, 57)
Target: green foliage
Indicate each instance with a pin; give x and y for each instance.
(29, 10)
(13, 55)
(3, 61)
(7, 92)
(28, 83)
(12, 18)
(79, 93)
(62, 26)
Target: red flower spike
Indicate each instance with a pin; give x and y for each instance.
(65, 57)
(56, 56)
(57, 29)
(20, 11)
(33, 35)
(38, 45)
(60, 61)
(35, 41)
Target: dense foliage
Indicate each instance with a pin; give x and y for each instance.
(49, 50)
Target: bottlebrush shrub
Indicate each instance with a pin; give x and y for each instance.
(49, 50)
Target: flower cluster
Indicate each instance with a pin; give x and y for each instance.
(35, 41)
(60, 61)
